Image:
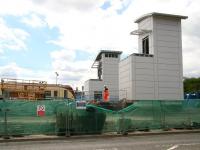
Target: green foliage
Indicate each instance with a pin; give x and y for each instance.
(191, 85)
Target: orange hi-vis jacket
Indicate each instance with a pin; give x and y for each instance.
(106, 95)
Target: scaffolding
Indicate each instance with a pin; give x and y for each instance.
(23, 89)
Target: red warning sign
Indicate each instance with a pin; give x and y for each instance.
(40, 110)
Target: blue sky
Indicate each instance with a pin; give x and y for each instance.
(41, 37)
(36, 55)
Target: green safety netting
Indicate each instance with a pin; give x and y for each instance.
(22, 119)
(62, 118)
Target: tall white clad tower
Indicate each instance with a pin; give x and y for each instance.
(156, 72)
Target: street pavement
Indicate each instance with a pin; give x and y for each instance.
(189, 141)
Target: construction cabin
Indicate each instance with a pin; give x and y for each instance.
(15, 89)
(154, 73)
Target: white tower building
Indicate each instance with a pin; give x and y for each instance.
(106, 63)
(156, 72)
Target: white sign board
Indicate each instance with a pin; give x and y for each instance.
(40, 110)
(80, 104)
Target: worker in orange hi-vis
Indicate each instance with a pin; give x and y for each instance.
(106, 94)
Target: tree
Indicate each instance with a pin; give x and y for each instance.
(191, 85)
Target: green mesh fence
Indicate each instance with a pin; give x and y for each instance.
(62, 117)
(21, 118)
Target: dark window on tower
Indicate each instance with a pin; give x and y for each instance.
(106, 55)
(65, 94)
(47, 93)
(25, 87)
(145, 45)
(55, 93)
(98, 95)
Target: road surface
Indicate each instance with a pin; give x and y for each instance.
(189, 141)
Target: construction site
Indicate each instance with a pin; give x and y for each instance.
(142, 92)
(20, 89)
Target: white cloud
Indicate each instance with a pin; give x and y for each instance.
(16, 7)
(12, 70)
(61, 6)
(63, 55)
(71, 71)
(1, 51)
(12, 38)
(85, 26)
(34, 21)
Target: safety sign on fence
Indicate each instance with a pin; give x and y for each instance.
(80, 104)
(40, 110)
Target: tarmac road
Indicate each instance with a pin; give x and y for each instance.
(184, 141)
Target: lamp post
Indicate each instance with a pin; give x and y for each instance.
(56, 77)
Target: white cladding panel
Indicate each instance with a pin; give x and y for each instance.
(96, 85)
(167, 33)
(168, 72)
(145, 77)
(168, 78)
(144, 96)
(144, 66)
(91, 86)
(125, 78)
(169, 57)
(143, 59)
(144, 90)
(144, 72)
(174, 55)
(140, 83)
(169, 85)
(169, 67)
(139, 78)
(168, 90)
(168, 38)
(167, 44)
(86, 85)
(170, 96)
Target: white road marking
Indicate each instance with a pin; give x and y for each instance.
(173, 147)
(177, 145)
(107, 148)
(190, 144)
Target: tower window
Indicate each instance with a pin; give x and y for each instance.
(98, 95)
(112, 55)
(145, 45)
(55, 93)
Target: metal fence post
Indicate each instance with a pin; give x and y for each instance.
(163, 116)
(67, 134)
(6, 136)
(95, 113)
